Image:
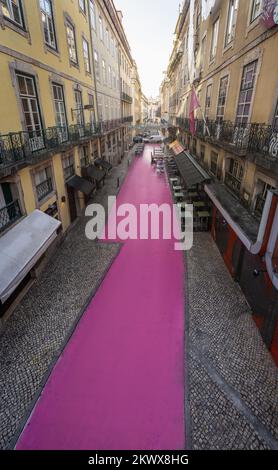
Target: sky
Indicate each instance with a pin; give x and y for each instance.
(149, 26)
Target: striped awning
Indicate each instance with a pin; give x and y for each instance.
(177, 147)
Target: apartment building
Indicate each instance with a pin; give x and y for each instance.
(61, 113)
(225, 51)
(125, 67)
(136, 96)
(154, 109)
(144, 108)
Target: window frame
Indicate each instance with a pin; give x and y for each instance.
(231, 21)
(101, 28)
(214, 39)
(220, 117)
(87, 62)
(71, 27)
(240, 117)
(82, 7)
(22, 24)
(92, 14)
(208, 108)
(53, 48)
(252, 11)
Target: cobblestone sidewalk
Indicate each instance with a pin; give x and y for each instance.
(38, 328)
(233, 380)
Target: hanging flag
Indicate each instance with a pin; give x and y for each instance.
(194, 104)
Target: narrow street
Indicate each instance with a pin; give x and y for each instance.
(119, 383)
(138, 232)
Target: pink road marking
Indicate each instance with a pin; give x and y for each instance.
(119, 383)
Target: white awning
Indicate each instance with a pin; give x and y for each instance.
(22, 246)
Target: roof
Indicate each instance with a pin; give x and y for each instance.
(96, 173)
(191, 172)
(104, 163)
(236, 210)
(177, 147)
(80, 184)
(22, 246)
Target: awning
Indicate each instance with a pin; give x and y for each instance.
(80, 184)
(177, 147)
(96, 173)
(22, 246)
(104, 164)
(191, 172)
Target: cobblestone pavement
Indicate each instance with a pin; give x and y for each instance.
(38, 328)
(233, 380)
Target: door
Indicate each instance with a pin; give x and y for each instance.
(72, 204)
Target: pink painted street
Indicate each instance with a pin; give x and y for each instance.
(119, 383)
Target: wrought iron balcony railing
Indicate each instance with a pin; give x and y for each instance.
(9, 214)
(44, 188)
(126, 97)
(20, 147)
(242, 138)
(127, 119)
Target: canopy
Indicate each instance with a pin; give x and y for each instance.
(96, 173)
(22, 246)
(106, 165)
(191, 172)
(177, 147)
(80, 184)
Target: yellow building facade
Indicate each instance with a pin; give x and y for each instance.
(48, 116)
(227, 54)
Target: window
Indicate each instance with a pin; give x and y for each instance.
(234, 175)
(12, 9)
(222, 98)
(275, 121)
(256, 9)
(100, 108)
(109, 76)
(30, 107)
(112, 46)
(92, 14)
(100, 28)
(97, 71)
(71, 43)
(84, 156)
(107, 38)
(246, 92)
(10, 210)
(68, 166)
(213, 162)
(79, 108)
(261, 198)
(48, 23)
(43, 183)
(208, 100)
(202, 152)
(82, 6)
(231, 25)
(60, 111)
(214, 39)
(92, 110)
(104, 72)
(203, 52)
(86, 56)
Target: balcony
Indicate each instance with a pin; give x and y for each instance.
(125, 97)
(106, 126)
(127, 119)
(19, 149)
(9, 214)
(252, 140)
(44, 188)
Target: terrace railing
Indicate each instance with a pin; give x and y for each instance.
(20, 147)
(243, 138)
